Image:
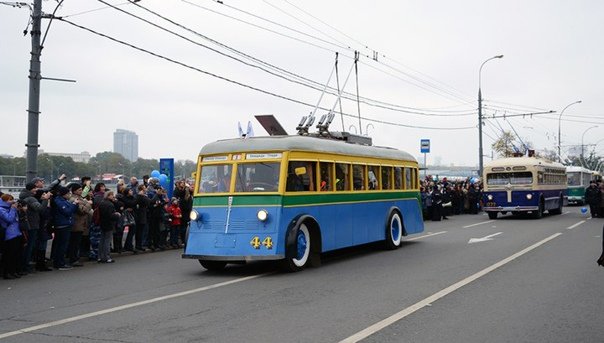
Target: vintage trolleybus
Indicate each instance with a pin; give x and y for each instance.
(291, 198)
(523, 185)
(578, 180)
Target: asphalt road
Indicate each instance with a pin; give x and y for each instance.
(519, 280)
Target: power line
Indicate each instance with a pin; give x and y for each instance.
(365, 100)
(314, 37)
(300, 102)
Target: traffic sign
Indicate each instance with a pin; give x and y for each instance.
(425, 146)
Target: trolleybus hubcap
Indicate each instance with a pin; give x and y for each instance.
(395, 229)
(303, 248)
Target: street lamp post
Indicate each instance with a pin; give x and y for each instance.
(559, 121)
(582, 145)
(480, 161)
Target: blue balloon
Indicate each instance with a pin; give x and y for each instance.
(163, 180)
(583, 210)
(155, 173)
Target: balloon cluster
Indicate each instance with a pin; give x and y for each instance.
(162, 178)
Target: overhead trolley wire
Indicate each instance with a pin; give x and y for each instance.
(313, 44)
(300, 102)
(349, 96)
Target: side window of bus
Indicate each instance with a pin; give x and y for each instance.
(358, 177)
(398, 178)
(342, 179)
(326, 169)
(414, 178)
(408, 184)
(386, 177)
(372, 177)
(301, 176)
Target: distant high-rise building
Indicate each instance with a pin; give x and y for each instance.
(125, 143)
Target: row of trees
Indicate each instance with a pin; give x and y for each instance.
(50, 167)
(508, 144)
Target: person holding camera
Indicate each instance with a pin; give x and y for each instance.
(13, 240)
(62, 213)
(35, 209)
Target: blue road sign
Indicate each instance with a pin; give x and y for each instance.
(425, 146)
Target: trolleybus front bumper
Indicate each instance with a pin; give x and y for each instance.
(510, 208)
(234, 258)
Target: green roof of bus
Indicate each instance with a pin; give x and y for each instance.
(302, 143)
(522, 161)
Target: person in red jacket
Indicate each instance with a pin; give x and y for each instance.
(175, 215)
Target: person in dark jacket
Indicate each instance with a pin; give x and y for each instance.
(45, 220)
(156, 217)
(437, 204)
(35, 209)
(185, 200)
(62, 211)
(108, 219)
(129, 204)
(592, 198)
(140, 216)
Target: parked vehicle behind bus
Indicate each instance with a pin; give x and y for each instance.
(524, 185)
(578, 181)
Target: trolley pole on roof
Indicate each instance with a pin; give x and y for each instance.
(33, 111)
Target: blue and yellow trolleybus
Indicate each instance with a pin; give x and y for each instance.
(524, 185)
(291, 198)
(578, 180)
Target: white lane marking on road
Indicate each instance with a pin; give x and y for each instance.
(431, 299)
(488, 221)
(127, 306)
(424, 236)
(574, 226)
(484, 239)
(567, 212)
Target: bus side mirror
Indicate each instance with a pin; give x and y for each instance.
(300, 171)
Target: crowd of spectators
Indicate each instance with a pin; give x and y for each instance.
(441, 198)
(88, 223)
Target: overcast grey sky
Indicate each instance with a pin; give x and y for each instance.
(429, 54)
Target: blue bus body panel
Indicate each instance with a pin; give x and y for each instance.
(246, 237)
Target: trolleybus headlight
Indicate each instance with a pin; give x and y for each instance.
(490, 197)
(194, 215)
(529, 196)
(262, 215)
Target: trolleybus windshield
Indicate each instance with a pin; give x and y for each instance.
(517, 178)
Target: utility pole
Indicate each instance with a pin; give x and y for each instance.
(35, 76)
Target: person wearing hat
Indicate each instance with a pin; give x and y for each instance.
(80, 224)
(592, 198)
(35, 208)
(63, 211)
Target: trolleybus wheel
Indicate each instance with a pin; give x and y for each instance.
(492, 215)
(394, 231)
(559, 209)
(539, 212)
(301, 251)
(212, 265)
